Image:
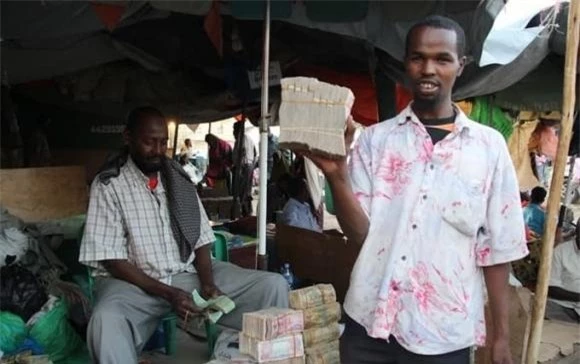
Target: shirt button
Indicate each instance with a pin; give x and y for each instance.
(414, 226)
(424, 197)
(404, 257)
(431, 166)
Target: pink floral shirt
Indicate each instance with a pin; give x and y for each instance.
(438, 214)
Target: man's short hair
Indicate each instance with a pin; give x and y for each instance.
(137, 115)
(538, 195)
(439, 22)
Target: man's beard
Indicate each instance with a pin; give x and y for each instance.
(149, 167)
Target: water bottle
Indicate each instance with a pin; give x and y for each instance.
(288, 275)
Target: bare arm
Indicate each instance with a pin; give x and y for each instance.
(351, 217)
(496, 280)
(559, 293)
(203, 266)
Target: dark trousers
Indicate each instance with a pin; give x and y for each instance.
(356, 347)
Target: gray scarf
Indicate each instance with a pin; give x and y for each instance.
(182, 199)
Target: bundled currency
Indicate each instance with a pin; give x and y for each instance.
(313, 115)
(327, 357)
(319, 335)
(246, 359)
(285, 347)
(322, 315)
(272, 323)
(322, 348)
(214, 308)
(312, 296)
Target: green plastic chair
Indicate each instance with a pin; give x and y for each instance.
(220, 252)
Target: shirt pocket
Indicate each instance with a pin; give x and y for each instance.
(462, 205)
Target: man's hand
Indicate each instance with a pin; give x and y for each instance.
(500, 352)
(210, 291)
(331, 167)
(183, 305)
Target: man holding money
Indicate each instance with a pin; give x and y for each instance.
(432, 199)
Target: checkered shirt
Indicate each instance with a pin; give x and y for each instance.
(128, 221)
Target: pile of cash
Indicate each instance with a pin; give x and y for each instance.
(272, 335)
(313, 115)
(321, 315)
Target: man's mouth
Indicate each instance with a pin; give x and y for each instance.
(427, 87)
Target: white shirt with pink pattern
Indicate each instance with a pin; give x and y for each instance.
(438, 214)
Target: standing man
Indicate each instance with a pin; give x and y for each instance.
(148, 239)
(534, 214)
(220, 161)
(431, 197)
(187, 149)
(246, 154)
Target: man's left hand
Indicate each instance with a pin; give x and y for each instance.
(500, 352)
(210, 291)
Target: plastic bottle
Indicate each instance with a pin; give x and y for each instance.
(288, 275)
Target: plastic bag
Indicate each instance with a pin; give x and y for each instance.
(21, 293)
(56, 335)
(12, 332)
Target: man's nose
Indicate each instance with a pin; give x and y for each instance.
(428, 68)
(158, 148)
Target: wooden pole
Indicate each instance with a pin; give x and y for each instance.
(569, 97)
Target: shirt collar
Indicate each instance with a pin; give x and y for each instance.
(139, 178)
(461, 120)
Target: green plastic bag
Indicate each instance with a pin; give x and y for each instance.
(12, 332)
(59, 340)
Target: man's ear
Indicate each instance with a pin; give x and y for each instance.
(126, 137)
(462, 61)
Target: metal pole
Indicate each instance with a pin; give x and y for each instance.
(569, 98)
(264, 128)
(175, 139)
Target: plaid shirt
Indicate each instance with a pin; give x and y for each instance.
(128, 221)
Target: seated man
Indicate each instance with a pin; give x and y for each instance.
(534, 214)
(148, 238)
(564, 291)
(298, 212)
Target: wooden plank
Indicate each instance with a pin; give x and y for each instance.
(38, 194)
(320, 258)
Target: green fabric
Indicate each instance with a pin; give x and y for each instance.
(59, 340)
(12, 332)
(255, 9)
(486, 113)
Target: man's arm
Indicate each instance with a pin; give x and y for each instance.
(349, 213)
(496, 280)
(350, 191)
(559, 293)
(203, 261)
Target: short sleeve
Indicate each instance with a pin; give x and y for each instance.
(556, 270)
(206, 235)
(360, 171)
(503, 238)
(104, 236)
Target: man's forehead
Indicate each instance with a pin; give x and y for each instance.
(430, 38)
(153, 124)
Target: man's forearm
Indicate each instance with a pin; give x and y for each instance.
(123, 270)
(203, 265)
(559, 293)
(496, 280)
(349, 213)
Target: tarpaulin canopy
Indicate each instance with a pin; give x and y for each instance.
(176, 36)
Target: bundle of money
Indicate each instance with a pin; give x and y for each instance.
(322, 315)
(272, 323)
(214, 308)
(319, 335)
(313, 115)
(313, 296)
(281, 348)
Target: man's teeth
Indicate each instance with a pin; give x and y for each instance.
(428, 86)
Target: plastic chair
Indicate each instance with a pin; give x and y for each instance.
(220, 252)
